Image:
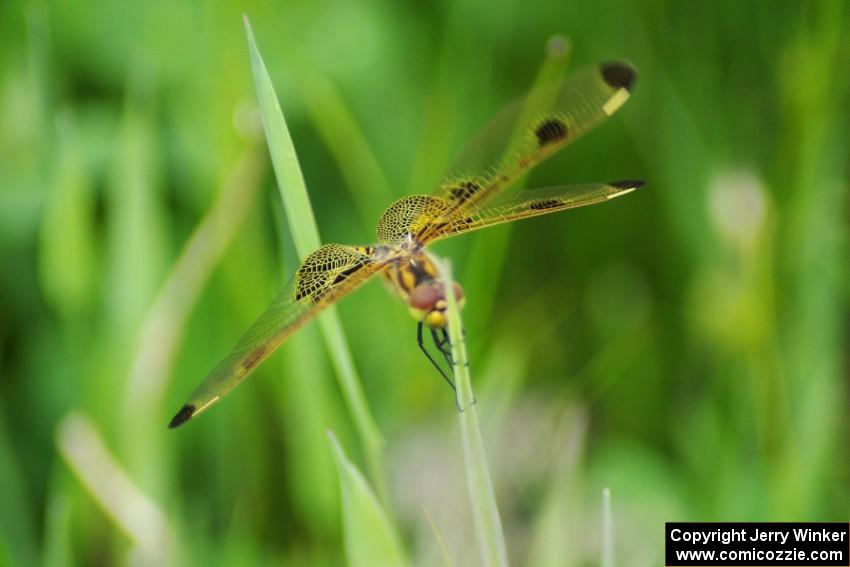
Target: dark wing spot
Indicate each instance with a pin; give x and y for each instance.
(307, 292)
(551, 130)
(436, 227)
(619, 75)
(254, 357)
(184, 415)
(464, 191)
(544, 204)
(627, 184)
(316, 294)
(343, 275)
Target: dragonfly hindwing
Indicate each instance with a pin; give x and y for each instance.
(408, 216)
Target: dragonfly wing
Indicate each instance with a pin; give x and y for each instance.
(325, 276)
(530, 130)
(534, 202)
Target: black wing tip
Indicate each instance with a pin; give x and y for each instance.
(628, 184)
(184, 415)
(619, 74)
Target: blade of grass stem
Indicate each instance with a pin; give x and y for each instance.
(370, 537)
(555, 539)
(346, 141)
(39, 49)
(305, 234)
(132, 511)
(17, 525)
(58, 542)
(444, 552)
(67, 249)
(607, 530)
(488, 525)
(490, 251)
(164, 324)
(309, 405)
(460, 59)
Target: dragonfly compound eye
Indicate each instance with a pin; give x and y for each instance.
(425, 296)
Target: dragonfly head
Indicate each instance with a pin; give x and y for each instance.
(427, 303)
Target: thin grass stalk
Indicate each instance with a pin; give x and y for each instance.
(138, 516)
(482, 498)
(347, 142)
(165, 322)
(444, 551)
(371, 538)
(491, 250)
(305, 234)
(607, 530)
(19, 542)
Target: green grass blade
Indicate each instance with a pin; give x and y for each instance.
(136, 217)
(309, 406)
(17, 523)
(290, 180)
(39, 50)
(491, 249)
(488, 525)
(162, 330)
(58, 549)
(444, 551)
(557, 535)
(133, 512)
(305, 233)
(607, 530)
(336, 124)
(370, 538)
(68, 246)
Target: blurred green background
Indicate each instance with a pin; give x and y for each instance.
(686, 346)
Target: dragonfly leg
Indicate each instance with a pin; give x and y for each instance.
(421, 344)
(444, 345)
(441, 341)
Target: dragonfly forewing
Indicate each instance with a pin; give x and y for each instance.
(325, 276)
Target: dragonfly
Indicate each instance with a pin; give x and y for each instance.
(472, 195)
